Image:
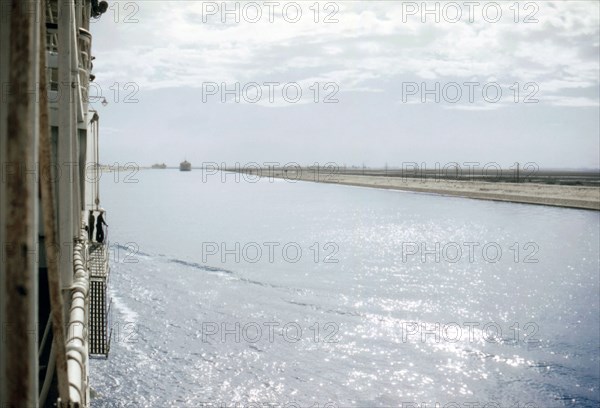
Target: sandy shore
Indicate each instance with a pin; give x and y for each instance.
(531, 193)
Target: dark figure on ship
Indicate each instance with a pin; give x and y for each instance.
(91, 226)
(99, 228)
(98, 8)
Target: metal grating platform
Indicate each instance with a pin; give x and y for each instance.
(98, 261)
(99, 307)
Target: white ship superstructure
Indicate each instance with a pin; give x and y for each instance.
(54, 273)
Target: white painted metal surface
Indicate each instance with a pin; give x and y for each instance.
(69, 53)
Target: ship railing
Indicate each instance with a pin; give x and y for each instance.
(85, 61)
(77, 332)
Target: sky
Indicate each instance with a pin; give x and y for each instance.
(349, 82)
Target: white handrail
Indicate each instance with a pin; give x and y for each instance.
(77, 335)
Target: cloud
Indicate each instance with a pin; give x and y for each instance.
(370, 41)
(373, 49)
(572, 101)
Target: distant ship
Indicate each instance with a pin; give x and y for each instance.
(159, 166)
(185, 166)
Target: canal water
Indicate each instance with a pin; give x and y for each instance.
(281, 294)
